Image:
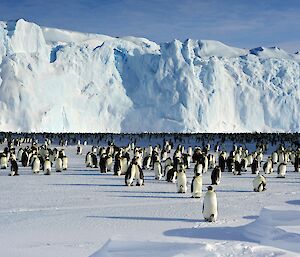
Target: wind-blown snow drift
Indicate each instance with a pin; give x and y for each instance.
(61, 81)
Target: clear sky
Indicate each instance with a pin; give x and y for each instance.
(241, 23)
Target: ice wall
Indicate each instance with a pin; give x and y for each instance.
(56, 80)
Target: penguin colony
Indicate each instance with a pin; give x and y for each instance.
(169, 160)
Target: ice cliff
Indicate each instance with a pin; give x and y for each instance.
(62, 81)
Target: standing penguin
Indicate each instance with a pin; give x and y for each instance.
(170, 173)
(13, 167)
(255, 166)
(117, 165)
(181, 181)
(58, 165)
(198, 168)
(216, 176)
(65, 162)
(109, 162)
(222, 161)
(157, 168)
(139, 176)
(102, 163)
(268, 166)
(3, 161)
(297, 163)
(25, 159)
(210, 205)
(88, 160)
(79, 150)
(134, 171)
(35, 166)
(196, 187)
(281, 170)
(94, 161)
(47, 166)
(275, 157)
(259, 183)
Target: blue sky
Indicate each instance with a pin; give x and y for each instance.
(241, 23)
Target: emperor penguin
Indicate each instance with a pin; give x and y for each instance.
(237, 168)
(58, 165)
(196, 187)
(187, 160)
(268, 166)
(65, 162)
(139, 175)
(47, 166)
(88, 160)
(260, 158)
(259, 183)
(244, 164)
(181, 181)
(198, 168)
(281, 170)
(118, 165)
(216, 176)
(167, 162)
(157, 168)
(35, 166)
(210, 205)
(222, 161)
(297, 163)
(170, 173)
(164, 155)
(255, 166)
(147, 162)
(205, 166)
(13, 167)
(94, 160)
(3, 161)
(124, 164)
(250, 159)
(19, 154)
(109, 162)
(281, 157)
(134, 172)
(79, 150)
(275, 157)
(211, 161)
(102, 163)
(25, 159)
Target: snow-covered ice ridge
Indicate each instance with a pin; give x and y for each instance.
(61, 81)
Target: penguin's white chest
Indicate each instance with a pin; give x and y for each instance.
(210, 206)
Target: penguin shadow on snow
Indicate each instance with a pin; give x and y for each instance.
(294, 202)
(212, 233)
(139, 192)
(82, 174)
(152, 196)
(90, 185)
(145, 218)
(251, 217)
(233, 191)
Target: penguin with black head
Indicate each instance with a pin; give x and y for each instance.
(210, 205)
(13, 167)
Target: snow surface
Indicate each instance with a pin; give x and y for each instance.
(57, 80)
(81, 212)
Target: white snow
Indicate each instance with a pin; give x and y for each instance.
(81, 212)
(57, 80)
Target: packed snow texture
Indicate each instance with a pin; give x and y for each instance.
(62, 81)
(81, 212)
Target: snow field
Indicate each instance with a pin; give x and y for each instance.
(82, 212)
